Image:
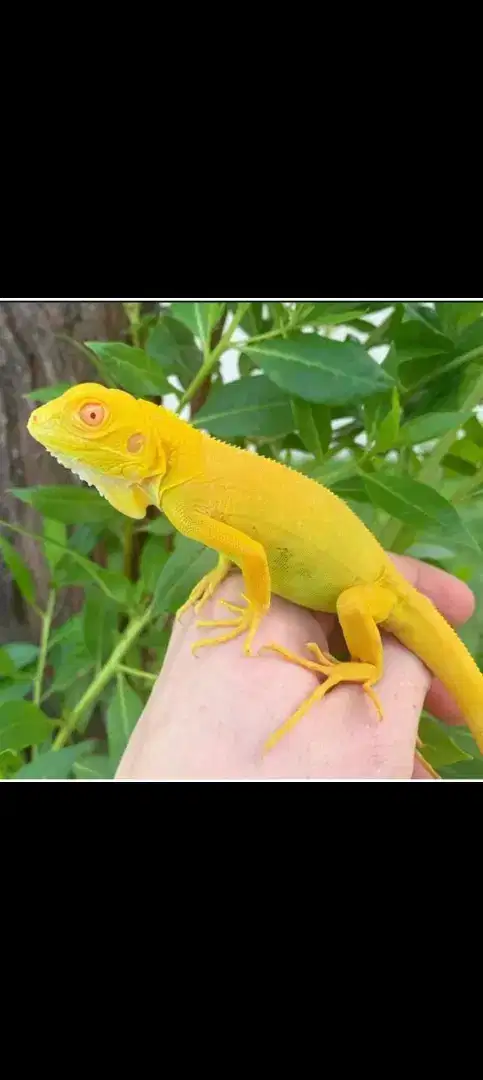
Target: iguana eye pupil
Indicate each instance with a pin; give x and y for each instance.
(93, 414)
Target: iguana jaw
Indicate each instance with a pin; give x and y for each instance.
(128, 498)
(91, 476)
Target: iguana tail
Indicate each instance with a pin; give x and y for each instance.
(420, 627)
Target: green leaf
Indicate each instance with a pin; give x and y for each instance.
(74, 693)
(420, 311)
(22, 724)
(184, 568)
(70, 632)
(200, 316)
(99, 619)
(456, 315)
(48, 393)
(22, 653)
(465, 741)
(10, 763)
(468, 450)
(438, 747)
(71, 505)
(474, 430)
(18, 569)
(132, 369)
(320, 370)
(55, 764)
(335, 312)
(159, 526)
(279, 313)
(463, 770)
(351, 488)
(79, 571)
(388, 430)
(469, 338)
(157, 637)
(252, 407)
(430, 551)
(70, 670)
(15, 690)
(313, 422)
(7, 666)
(415, 504)
(246, 365)
(431, 426)
(85, 537)
(54, 530)
(458, 465)
(153, 558)
(172, 345)
(123, 714)
(94, 767)
(333, 472)
(415, 340)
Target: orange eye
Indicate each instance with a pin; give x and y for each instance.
(93, 414)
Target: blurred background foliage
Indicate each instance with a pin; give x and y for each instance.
(380, 401)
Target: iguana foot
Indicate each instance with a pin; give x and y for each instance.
(247, 621)
(336, 671)
(205, 588)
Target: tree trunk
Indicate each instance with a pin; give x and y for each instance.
(34, 352)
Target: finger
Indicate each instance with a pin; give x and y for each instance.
(451, 596)
(440, 703)
(419, 772)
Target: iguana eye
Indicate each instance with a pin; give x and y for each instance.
(93, 414)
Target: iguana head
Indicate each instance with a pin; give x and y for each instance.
(107, 438)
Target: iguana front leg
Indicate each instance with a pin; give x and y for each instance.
(205, 588)
(236, 548)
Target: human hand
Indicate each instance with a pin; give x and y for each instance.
(209, 715)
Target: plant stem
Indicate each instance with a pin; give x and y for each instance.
(269, 334)
(44, 646)
(465, 358)
(135, 628)
(132, 309)
(211, 357)
(282, 331)
(128, 536)
(136, 673)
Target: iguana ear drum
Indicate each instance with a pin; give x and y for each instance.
(93, 414)
(135, 443)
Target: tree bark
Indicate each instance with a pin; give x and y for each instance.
(34, 352)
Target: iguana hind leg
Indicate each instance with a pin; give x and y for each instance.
(359, 609)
